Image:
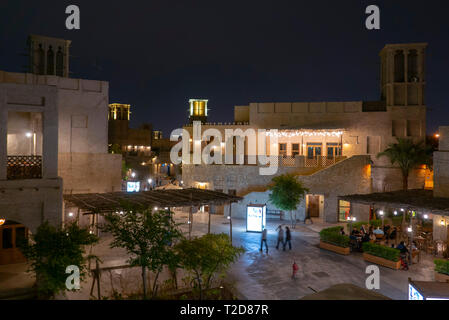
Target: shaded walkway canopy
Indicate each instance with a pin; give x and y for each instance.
(417, 200)
(112, 201)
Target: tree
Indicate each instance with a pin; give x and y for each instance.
(206, 256)
(115, 148)
(147, 236)
(286, 193)
(407, 155)
(51, 250)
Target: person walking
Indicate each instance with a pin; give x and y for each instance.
(288, 238)
(264, 240)
(280, 236)
(295, 269)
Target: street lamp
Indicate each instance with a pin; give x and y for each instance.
(381, 213)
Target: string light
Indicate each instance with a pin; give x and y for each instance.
(295, 133)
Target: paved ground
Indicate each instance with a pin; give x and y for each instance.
(259, 275)
(268, 276)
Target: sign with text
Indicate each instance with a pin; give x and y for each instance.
(256, 218)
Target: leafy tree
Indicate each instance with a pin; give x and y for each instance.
(51, 251)
(125, 170)
(407, 155)
(147, 236)
(206, 256)
(286, 193)
(115, 148)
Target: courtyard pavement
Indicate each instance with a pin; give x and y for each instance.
(257, 275)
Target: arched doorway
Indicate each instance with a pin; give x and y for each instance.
(11, 233)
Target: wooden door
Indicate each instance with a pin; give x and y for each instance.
(314, 206)
(10, 235)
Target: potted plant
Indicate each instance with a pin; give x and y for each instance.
(382, 255)
(332, 240)
(441, 270)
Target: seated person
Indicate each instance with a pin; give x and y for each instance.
(362, 229)
(378, 231)
(366, 237)
(387, 229)
(402, 247)
(393, 233)
(372, 236)
(342, 231)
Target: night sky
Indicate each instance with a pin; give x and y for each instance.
(158, 54)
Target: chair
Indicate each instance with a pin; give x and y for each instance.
(430, 248)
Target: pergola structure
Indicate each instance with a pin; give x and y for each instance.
(417, 200)
(92, 203)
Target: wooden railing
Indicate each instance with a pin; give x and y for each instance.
(24, 167)
(289, 161)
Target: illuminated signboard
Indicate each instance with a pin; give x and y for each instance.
(133, 186)
(423, 292)
(414, 294)
(256, 217)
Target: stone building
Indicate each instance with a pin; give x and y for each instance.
(133, 143)
(330, 146)
(53, 141)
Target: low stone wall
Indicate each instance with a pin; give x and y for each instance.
(90, 172)
(31, 202)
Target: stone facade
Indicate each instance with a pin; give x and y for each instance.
(82, 131)
(441, 165)
(313, 134)
(24, 199)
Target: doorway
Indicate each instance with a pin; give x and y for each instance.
(313, 150)
(313, 206)
(11, 233)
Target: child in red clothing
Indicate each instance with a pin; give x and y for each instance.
(295, 269)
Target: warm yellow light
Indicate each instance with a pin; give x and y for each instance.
(437, 135)
(442, 223)
(2, 221)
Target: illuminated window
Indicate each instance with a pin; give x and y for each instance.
(344, 210)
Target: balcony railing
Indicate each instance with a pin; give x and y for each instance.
(290, 161)
(24, 167)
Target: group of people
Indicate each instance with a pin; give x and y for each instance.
(363, 235)
(284, 238)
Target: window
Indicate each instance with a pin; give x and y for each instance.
(373, 144)
(295, 149)
(412, 66)
(7, 238)
(313, 150)
(59, 63)
(283, 149)
(50, 61)
(344, 210)
(399, 66)
(333, 150)
(41, 60)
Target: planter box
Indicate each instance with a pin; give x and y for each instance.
(382, 261)
(441, 277)
(334, 248)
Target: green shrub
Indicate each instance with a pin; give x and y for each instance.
(378, 250)
(374, 223)
(396, 220)
(442, 266)
(332, 235)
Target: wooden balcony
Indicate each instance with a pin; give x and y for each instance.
(24, 167)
